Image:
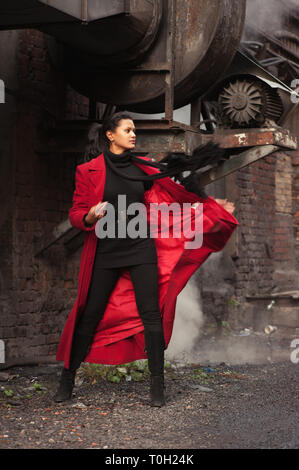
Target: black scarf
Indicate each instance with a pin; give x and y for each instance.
(118, 161)
(173, 165)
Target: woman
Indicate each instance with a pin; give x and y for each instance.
(128, 286)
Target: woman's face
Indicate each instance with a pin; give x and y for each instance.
(123, 137)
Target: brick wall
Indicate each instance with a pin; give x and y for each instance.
(266, 243)
(285, 241)
(254, 210)
(294, 124)
(42, 290)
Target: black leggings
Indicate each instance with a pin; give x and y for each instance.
(145, 283)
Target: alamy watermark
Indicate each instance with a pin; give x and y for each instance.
(165, 221)
(295, 93)
(2, 92)
(295, 354)
(2, 351)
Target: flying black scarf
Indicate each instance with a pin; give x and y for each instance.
(173, 165)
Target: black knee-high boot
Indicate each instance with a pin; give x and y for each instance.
(154, 346)
(80, 346)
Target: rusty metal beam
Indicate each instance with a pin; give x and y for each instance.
(158, 137)
(153, 136)
(252, 137)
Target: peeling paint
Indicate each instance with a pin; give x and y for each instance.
(242, 138)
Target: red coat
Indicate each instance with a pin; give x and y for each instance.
(119, 337)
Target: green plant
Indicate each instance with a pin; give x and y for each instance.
(8, 392)
(226, 327)
(201, 376)
(233, 302)
(37, 387)
(136, 371)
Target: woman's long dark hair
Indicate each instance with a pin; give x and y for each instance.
(97, 139)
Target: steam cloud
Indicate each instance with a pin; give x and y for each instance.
(187, 324)
(188, 345)
(267, 15)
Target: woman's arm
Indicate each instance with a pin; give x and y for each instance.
(228, 206)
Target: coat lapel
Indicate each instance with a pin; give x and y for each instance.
(96, 172)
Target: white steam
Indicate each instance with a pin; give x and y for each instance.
(192, 344)
(187, 324)
(266, 15)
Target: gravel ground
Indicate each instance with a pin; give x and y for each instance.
(208, 407)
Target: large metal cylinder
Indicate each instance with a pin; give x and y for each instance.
(121, 37)
(103, 32)
(207, 35)
(117, 51)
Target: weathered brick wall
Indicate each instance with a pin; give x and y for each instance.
(42, 290)
(260, 257)
(8, 41)
(285, 275)
(254, 210)
(7, 319)
(266, 243)
(294, 124)
(266, 257)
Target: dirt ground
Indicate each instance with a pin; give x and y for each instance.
(218, 406)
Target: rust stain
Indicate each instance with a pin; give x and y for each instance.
(256, 137)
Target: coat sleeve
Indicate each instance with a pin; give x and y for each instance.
(80, 205)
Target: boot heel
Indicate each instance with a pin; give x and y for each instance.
(65, 389)
(157, 390)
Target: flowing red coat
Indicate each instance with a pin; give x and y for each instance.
(119, 337)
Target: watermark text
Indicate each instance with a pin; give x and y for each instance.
(2, 351)
(295, 354)
(295, 92)
(163, 220)
(2, 92)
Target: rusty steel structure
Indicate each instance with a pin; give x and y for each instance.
(131, 53)
(277, 51)
(247, 96)
(155, 56)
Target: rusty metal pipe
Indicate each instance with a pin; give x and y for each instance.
(110, 50)
(206, 36)
(84, 8)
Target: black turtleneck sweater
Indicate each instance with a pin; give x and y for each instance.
(116, 252)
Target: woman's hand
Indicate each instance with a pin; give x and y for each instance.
(228, 206)
(95, 213)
